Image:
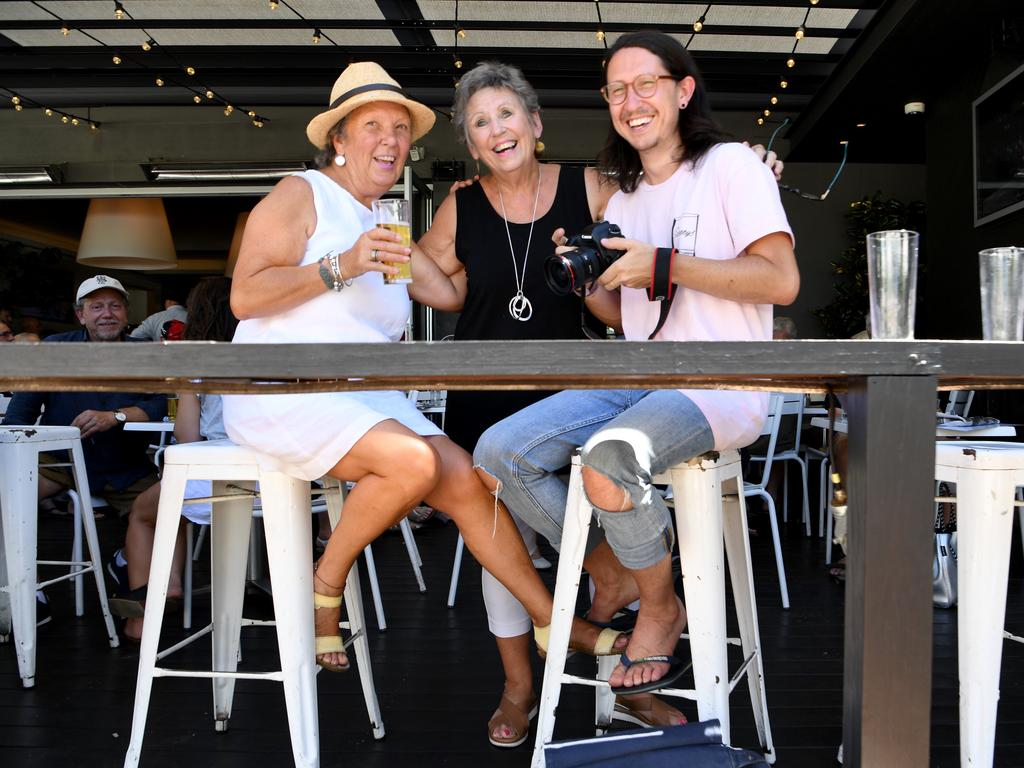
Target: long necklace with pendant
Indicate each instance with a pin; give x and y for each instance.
(519, 306)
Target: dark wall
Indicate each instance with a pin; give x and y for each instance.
(953, 240)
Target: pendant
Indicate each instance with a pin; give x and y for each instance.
(520, 308)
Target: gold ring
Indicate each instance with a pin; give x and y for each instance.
(373, 255)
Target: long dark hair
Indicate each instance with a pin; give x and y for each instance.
(209, 311)
(698, 130)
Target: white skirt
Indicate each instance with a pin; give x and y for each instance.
(305, 435)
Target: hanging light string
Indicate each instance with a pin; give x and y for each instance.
(318, 34)
(458, 32)
(199, 91)
(599, 34)
(798, 34)
(21, 102)
(698, 25)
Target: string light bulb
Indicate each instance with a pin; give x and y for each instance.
(196, 99)
(160, 82)
(48, 112)
(774, 100)
(458, 62)
(316, 37)
(18, 107)
(599, 34)
(791, 62)
(64, 30)
(94, 126)
(190, 70)
(698, 25)
(251, 113)
(64, 119)
(116, 59)
(760, 121)
(461, 33)
(228, 110)
(148, 45)
(799, 32)
(258, 123)
(273, 5)
(74, 121)
(814, 2)
(767, 113)
(209, 94)
(118, 11)
(16, 99)
(784, 84)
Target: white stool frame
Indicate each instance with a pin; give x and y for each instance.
(289, 553)
(709, 507)
(19, 523)
(986, 475)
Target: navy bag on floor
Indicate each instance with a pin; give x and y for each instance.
(694, 745)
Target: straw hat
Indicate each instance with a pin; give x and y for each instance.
(361, 83)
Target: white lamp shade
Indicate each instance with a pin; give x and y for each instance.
(127, 233)
(236, 243)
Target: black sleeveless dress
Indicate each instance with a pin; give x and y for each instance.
(481, 244)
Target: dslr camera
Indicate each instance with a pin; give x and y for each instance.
(577, 269)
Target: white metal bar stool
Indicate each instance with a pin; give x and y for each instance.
(19, 491)
(235, 470)
(986, 476)
(709, 507)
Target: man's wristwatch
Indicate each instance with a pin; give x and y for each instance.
(121, 416)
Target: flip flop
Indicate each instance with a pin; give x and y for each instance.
(651, 712)
(676, 668)
(133, 604)
(623, 621)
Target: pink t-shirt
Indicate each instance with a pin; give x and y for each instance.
(715, 211)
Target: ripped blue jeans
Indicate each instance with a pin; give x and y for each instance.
(628, 436)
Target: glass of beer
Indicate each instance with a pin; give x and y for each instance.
(172, 408)
(396, 215)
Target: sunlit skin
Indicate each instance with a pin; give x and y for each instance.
(501, 133)
(375, 144)
(104, 315)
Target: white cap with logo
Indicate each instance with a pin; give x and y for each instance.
(98, 282)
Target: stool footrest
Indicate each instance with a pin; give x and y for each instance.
(187, 641)
(277, 676)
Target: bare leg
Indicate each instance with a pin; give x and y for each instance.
(515, 660)
(48, 487)
(394, 469)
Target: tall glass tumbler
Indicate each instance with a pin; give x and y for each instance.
(1002, 293)
(396, 214)
(892, 282)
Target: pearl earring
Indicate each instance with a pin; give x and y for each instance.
(339, 160)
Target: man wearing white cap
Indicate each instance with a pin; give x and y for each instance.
(117, 463)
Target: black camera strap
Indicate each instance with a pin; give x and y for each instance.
(662, 288)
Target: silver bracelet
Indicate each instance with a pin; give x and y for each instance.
(339, 276)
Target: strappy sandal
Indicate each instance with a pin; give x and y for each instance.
(515, 718)
(329, 643)
(605, 645)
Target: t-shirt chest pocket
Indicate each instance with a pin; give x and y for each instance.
(684, 233)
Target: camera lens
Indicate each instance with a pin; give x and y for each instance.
(559, 274)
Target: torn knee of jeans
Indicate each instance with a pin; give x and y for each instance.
(486, 478)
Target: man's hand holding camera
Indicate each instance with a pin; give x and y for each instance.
(633, 269)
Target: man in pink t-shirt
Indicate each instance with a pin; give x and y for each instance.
(704, 232)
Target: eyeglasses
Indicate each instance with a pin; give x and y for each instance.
(643, 86)
(835, 177)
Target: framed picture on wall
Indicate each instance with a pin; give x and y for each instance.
(999, 149)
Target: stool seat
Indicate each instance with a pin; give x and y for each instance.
(286, 517)
(37, 434)
(20, 447)
(709, 510)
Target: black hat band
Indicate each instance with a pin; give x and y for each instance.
(363, 89)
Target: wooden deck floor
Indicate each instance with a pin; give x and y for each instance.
(438, 678)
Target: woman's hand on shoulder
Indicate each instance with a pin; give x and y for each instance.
(769, 158)
(456, 186)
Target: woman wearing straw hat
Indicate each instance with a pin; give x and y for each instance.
(311, 269)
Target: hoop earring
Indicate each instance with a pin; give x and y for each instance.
(538, 148)
(339, 160)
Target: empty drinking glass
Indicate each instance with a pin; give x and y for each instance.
(892, 282)
(1002, 293)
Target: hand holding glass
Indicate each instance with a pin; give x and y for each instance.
(395, 215)
(892, 283)
(1002, 293)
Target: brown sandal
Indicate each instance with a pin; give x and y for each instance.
(647, 711)
(515, 719)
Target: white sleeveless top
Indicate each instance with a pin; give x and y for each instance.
(305, 435)
(366, 311)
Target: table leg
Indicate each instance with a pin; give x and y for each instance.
(888, 636)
